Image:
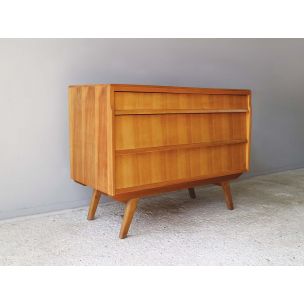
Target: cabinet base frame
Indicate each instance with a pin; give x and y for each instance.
(131, 198)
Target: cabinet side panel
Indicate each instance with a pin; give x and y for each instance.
(83, 146)
(248, 129)
(91, 147)
(72, 93)
(104, 139)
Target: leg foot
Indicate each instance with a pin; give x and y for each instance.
(93, 204)
(192, 192)
(227, 193)
(128, 216)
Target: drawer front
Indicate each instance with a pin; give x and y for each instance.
(133, 170)
(142, 131)
(166, 137)
(126, 102)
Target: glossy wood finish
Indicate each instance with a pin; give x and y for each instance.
(138, 101)
(147, 190)
(176, 111)
(176, 90)
(248, 131)
(128, 216)
(181, 146)
(142, 131)
(91, 139)
(129, 141)
(93, 204)
(136, 170)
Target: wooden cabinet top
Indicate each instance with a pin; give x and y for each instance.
(168, 89)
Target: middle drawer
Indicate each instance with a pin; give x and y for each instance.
(143, 131)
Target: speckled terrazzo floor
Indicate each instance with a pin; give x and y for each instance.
(266, 228)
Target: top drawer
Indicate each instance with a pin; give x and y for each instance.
(156, 103)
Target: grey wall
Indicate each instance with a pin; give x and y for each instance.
(34, 75)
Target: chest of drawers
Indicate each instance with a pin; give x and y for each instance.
(129, 141)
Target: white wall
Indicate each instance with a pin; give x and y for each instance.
(34, 75)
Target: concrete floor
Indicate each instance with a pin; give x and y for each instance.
(266, 228)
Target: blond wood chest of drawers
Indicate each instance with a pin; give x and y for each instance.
(129, 141)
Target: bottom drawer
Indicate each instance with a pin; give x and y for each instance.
(145, 168)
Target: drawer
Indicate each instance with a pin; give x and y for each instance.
(153, 103)
(163, 130)
(137, 170)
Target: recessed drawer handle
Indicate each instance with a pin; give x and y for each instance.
(178, 111)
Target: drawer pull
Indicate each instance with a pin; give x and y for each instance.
(177, 111)
(182, 146)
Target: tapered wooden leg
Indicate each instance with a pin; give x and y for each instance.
(227, 193)
(93, 204)
(192, 192)
(128, 216)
